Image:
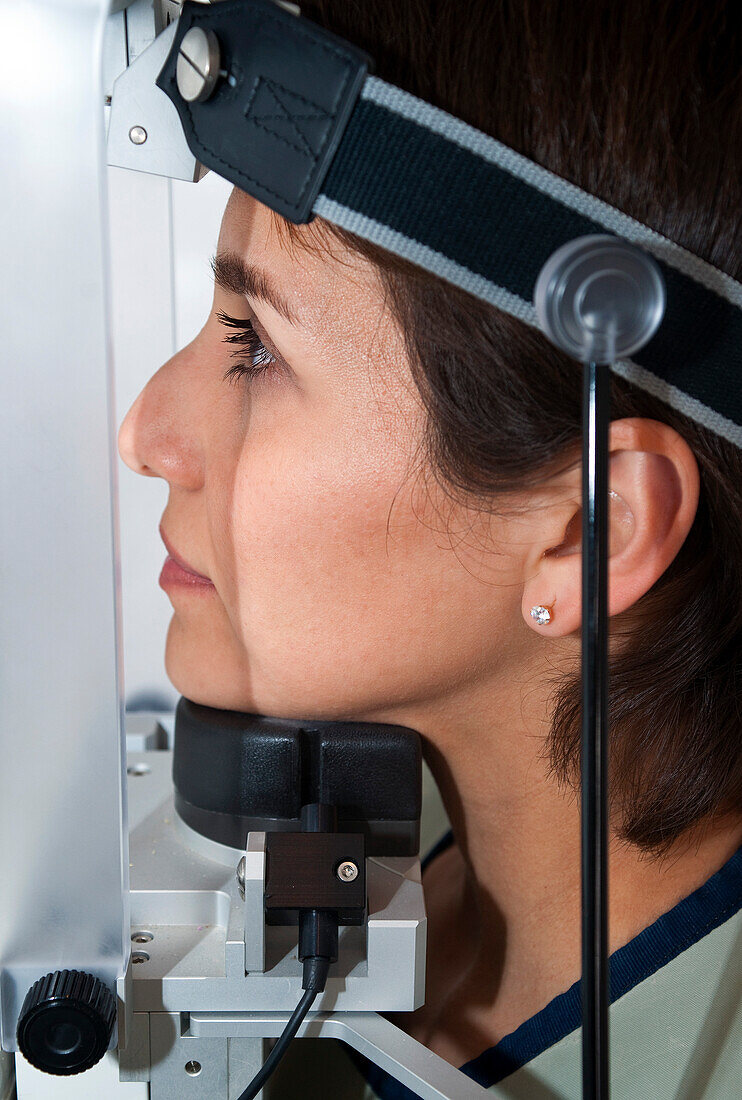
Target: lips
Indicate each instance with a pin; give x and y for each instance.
(177, 570)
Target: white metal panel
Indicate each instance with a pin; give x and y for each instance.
(197, 215)
(142, 331)
(162, 235)
(99, 1083)
(63, 869)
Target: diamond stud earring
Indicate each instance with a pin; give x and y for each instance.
(542, 615)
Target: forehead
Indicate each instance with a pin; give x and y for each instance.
(308, 263)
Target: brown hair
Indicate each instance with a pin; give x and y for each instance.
(636, 103)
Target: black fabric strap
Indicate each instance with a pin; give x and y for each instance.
(431, 191)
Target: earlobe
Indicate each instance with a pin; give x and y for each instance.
(655, 485)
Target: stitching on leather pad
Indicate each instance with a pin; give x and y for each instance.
(329, 48)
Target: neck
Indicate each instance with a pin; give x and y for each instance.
(516, 862)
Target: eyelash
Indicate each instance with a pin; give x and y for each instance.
(261, 359)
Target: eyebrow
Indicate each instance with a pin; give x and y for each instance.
(234, 275)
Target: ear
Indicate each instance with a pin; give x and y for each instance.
(654, 486)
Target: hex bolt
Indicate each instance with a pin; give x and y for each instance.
(347, 871)
(137, 135)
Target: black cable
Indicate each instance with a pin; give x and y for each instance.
(313, 980)
(318, 947)
(294, 1023)
(315, 976)
(595, 973)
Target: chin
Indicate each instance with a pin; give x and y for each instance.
(215, 675)
(205, 690)
(204, 679)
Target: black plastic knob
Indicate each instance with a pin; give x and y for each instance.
(66, 1022)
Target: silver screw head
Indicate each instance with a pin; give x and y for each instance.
(241, 877)
(197, 68)
(138, 135)
(347, 871)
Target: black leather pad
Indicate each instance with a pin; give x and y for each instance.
(274, 121)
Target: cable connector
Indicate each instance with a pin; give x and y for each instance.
(318, 939)
(315, 973)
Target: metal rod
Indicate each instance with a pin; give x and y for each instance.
(595, 975)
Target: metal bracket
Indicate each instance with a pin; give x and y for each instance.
(428, 1075)
(144, 131)
(166, 12)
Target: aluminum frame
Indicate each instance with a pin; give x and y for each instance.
(63, 858)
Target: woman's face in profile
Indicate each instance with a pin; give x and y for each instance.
(343, 582)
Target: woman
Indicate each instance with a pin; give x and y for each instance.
(377, 488)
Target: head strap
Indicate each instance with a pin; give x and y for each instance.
(297, 122)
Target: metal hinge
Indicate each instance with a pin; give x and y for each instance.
(168, 10)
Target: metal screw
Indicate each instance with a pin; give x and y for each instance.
(347, 871)
(241, 877)
(139, 957)
(138, 135)
(141, 937)
(193, 1068)
(197, 69)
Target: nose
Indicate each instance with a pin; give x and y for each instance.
(158, 437)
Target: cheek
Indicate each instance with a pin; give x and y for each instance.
(343, 594)
(309, 520)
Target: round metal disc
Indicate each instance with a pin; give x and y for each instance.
(197, 68)
(600, 298)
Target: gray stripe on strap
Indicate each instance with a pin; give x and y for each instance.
(679, 400)
(493, 151)
(438, 264)
(428, 258)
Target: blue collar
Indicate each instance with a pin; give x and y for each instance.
(689, 921)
